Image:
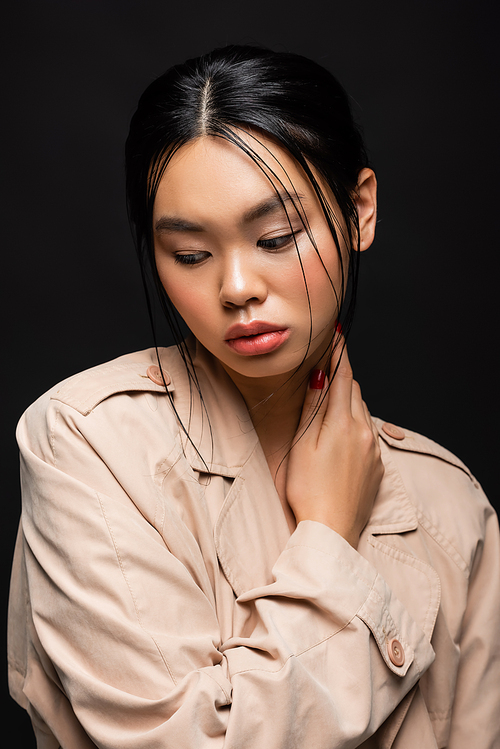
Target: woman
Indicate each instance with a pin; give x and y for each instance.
(219, 546)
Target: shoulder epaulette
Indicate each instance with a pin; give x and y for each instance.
(86, 390)
(404, 439)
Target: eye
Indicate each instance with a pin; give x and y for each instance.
(278, 243)
(193, 258)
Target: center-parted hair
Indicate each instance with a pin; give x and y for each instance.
(283, 96)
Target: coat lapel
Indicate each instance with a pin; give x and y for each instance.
(391, 543)
(213, 413)
(251, 530)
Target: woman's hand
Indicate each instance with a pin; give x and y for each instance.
(334, 468)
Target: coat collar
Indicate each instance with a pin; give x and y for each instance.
(221, 429)
(392, 512)
(226, 444)
(253, 504)
(212, 410)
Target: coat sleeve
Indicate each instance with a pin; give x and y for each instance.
(126, 635)
(475, 718)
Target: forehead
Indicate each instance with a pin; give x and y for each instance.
(210, 174)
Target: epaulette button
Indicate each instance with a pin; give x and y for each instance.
(155, 375)
(393, 431)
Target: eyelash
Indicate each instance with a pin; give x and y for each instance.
(193, 259)
(277, 243)
(274, 244)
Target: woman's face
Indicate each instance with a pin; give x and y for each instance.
(226, 256)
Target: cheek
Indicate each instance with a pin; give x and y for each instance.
(191, 299)
(188, 303)
(323, 276)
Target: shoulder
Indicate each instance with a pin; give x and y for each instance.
(448, 499)
(135, 372)
(403, 440)
(85, 401)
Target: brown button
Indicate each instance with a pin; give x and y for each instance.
(154, 374)
(396, 652)
(393, 431)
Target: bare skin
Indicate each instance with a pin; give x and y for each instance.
(337, 456)
(212, 235)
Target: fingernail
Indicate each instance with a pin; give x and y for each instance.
(317, 379)
(338, 327)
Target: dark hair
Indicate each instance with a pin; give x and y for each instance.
(290, 98)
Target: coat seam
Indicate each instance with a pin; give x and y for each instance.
(333, 634)
(424, 521)
(427, 525)
(374, 628)
(298, 654)
(122, 568)
(409, 560)
(53, 435)
(426, 447)
(226, 694)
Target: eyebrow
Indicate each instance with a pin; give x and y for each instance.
(167, 224)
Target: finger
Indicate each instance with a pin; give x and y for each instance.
(370, 422)
(358, 408)
(366, 413)
(373, 426)
(338, 350)
(315, 401)
(340, 400)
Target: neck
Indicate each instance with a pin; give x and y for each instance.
(276, 411)
(275, 406)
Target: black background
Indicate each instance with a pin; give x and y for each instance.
(423, 77)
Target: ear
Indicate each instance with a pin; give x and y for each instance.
(366, 203)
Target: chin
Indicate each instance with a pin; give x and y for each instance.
(263, 366)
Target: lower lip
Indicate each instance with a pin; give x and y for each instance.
(263, 343)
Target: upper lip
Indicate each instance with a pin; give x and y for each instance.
(256, 327)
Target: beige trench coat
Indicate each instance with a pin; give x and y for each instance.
(158, 600)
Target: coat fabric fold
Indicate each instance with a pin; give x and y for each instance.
(158, 598)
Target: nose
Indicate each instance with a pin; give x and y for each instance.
(241, 281)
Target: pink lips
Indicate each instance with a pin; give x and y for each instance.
(255, 338)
